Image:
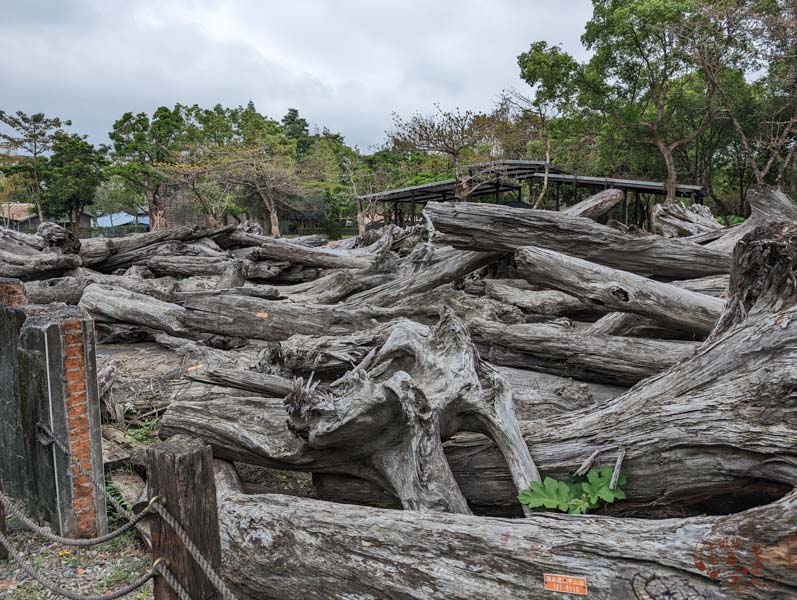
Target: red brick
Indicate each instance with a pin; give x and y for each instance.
(73, 338)
(74, 362)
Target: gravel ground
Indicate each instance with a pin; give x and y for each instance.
(94, 570)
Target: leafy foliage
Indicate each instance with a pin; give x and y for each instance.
(576, 497)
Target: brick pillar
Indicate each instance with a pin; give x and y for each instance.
(12, 292)
(58, 387)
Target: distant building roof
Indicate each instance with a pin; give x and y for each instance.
(504, 175)
(120, 218)
(17, 211)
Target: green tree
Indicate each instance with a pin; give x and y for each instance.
(34, 135)
(638, 72)
(297, 129)
(552, 74)
(140, 145)
(115, 194)
(73, 173)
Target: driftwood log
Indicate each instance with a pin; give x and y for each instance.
(619, 290)
(693, 435)
(595, 206)
(493, 228)
(558, 349)
(339, 551)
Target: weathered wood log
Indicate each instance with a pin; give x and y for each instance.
(767, 205)
(559, 350)
(541, 302)
(117, 304)
(419, 386)
(339, 551)
(494, 228)
(36, 266)
(333, 287)
(675, 219)
(18, 242)
(714, 431)
(189, 266)
(260, 383)
(314, 240)
(69, 290)
(436, 388)
(234, 276)
(629, 324)
(453, 265)
(619, 290)
(597, 205)
(58, 239)
(282, 251)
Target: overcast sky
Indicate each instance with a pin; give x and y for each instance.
(345, 64)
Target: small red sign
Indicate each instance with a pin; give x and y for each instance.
(565, 584)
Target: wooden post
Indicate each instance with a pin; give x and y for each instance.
(625, 206)
(636, 208)
(3, 530)
(558, 194)
(412, 207)
(181, 472)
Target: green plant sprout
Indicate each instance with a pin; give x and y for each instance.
(576, 497)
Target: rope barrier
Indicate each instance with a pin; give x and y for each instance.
(56, 589)
(46, 437)
(206, 567)
(47, 534)
(160, 566)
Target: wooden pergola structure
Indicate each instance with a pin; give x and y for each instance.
(509, 175)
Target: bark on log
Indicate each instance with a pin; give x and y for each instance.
(619, 290)
(493, 228)
(338, 551)
(561, 351)
(595, 206)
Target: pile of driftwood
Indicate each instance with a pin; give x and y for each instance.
(444, 368)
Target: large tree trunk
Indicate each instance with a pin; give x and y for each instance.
(493, 228)
(556, 349)
(339, 551)
(619, 290)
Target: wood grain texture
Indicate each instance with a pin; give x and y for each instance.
(493, 228)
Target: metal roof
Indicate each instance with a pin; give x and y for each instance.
(499, 176)
(504, 175)
(634, 185)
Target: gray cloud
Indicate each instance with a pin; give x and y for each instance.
(346, 65)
